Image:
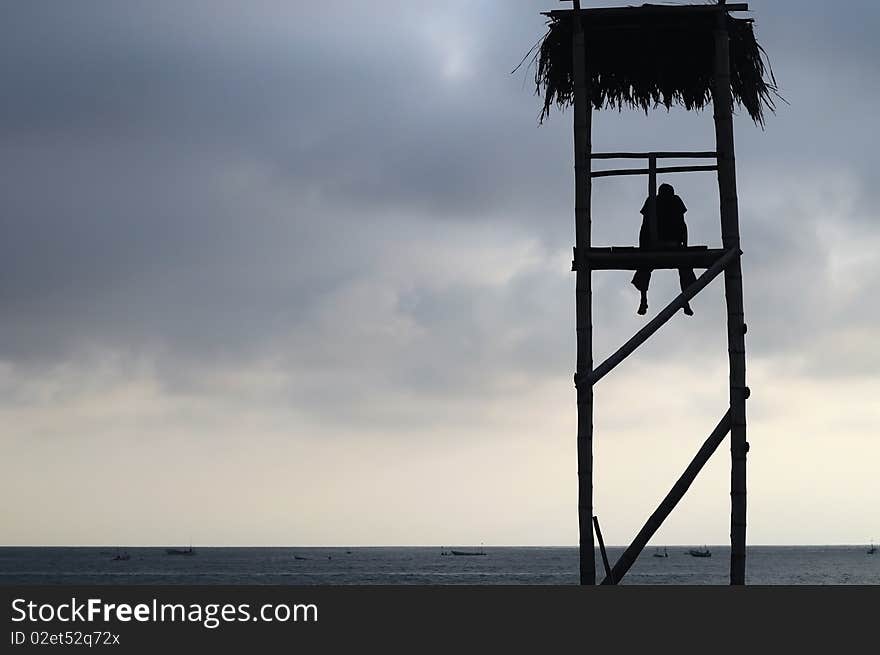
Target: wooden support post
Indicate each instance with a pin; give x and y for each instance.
(583, 301)
(631, 554)
(608, 574)
(723, 105)
(668, 312)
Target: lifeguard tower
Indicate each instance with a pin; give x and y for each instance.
(642, 57)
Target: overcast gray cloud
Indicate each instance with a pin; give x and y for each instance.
(342, 222)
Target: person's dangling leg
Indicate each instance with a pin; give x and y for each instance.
(686, 278)
(641, 281)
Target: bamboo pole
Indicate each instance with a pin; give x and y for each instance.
(583, 302)
(652, 199)
(668, 312)
(647, 171)
(723, 105)
(652, 10)
(659, 155)
(602, 550)
(631, 554)
(631, 249)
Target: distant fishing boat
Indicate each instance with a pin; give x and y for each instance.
(299, 557)
(695, 552)
(180, 551)
(872, 549)
(657, 553)
(121, 556)
(468, 553)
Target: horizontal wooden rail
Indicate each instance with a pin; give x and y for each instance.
(658, 155)
(668, 312)
(610, 259)
(648, 9)
(646, 171)
(631, 554)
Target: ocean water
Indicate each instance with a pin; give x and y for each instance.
(766, 565)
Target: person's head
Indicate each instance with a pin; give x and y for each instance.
(665, 190)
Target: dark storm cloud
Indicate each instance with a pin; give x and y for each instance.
(214, 184)
(371, 123)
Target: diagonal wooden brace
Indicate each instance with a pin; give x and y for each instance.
(668, 312)
(631, 554)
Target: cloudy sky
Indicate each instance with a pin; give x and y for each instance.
(299, 273)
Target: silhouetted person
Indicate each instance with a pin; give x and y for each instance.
(671, 234)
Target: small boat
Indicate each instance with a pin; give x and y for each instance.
(695, 552)
(872, 549)
(657, 553)
(180, 551)
(468, 553)
(299, 557)
(121, 556)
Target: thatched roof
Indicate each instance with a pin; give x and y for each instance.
(643, 57)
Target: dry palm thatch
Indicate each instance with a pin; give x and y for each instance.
(644, 59)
